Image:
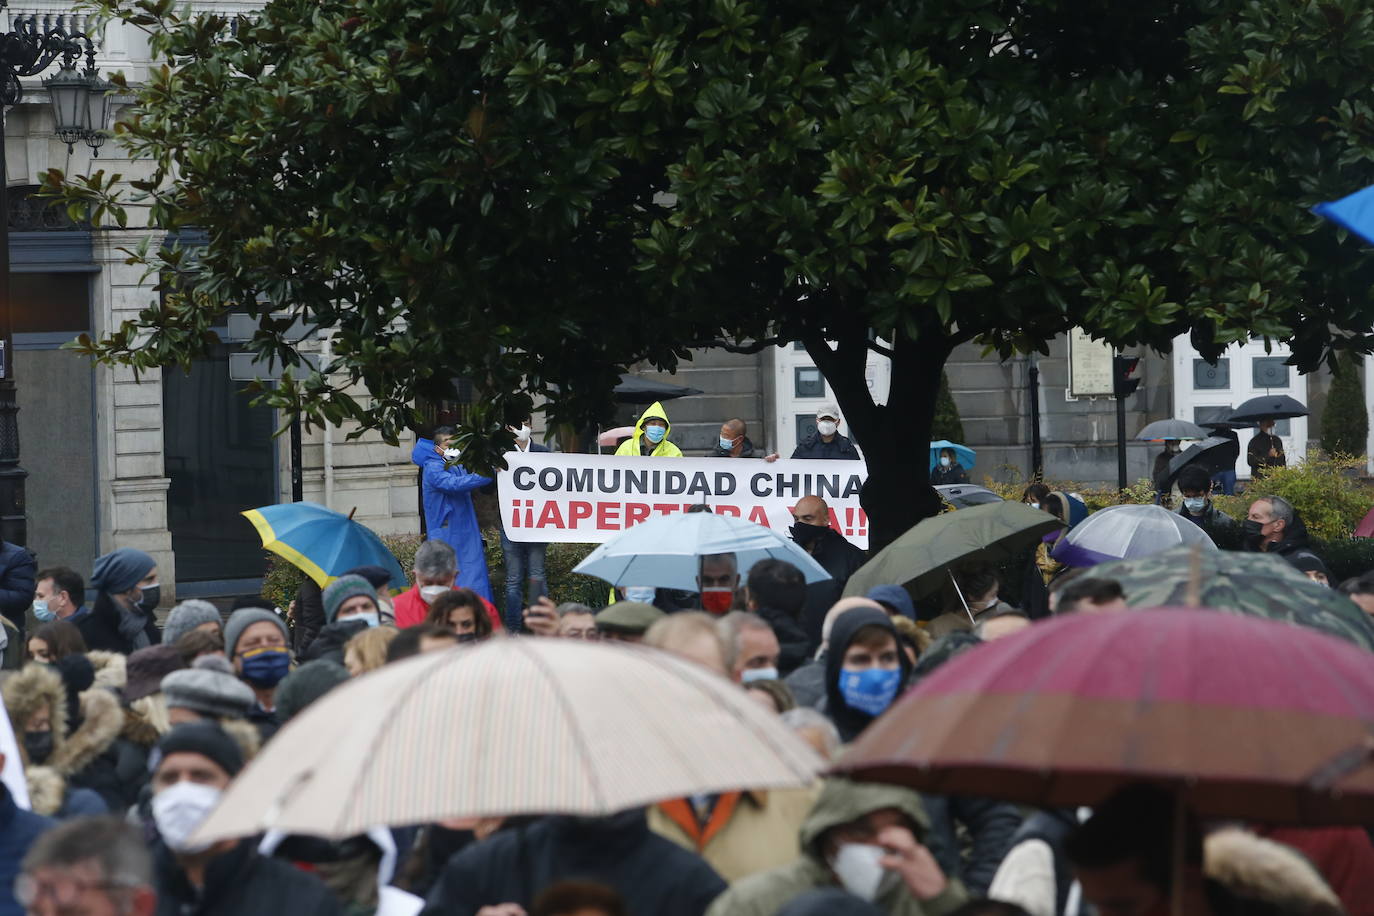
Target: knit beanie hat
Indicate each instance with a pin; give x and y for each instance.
(208, 693)
(242, 619)
(307, 684)
(204, 738)
(188, 615)
(120, 570)
(343, 588)
(146, 669)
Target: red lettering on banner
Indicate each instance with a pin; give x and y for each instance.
(726, 510)
(635, 513)
(835, 520)
(667, 508)
(608, 516)
(759, 515)
(550, 517)
(863, 524)
(577, 511)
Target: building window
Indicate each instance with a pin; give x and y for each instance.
(806, 426)
(1211, 375)
(808, 382)
(1269, 372)
(30, 213)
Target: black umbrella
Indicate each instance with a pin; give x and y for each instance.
(1268, 407)
(1213, 454)
(635, 390)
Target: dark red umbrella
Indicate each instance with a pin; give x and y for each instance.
(1244, 717)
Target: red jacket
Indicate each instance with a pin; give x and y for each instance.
(411, 609)
(1343, 855)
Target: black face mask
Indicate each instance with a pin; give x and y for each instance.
(467, 637)
(152, 594)
(1253, 531)
(806, 535)
(38, 745)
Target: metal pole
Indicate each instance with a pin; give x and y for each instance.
(297, 475)
(13, 524)
(1037, 455)
(1121, 443)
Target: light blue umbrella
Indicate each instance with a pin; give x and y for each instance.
(322, 543)
(666, 550)
(962, 453)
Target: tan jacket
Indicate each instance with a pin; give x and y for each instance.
(749, 832)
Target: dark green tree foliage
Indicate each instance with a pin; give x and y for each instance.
(946, 424)
(1345, 420)
(523, 193)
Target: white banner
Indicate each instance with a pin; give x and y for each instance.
(589, 499)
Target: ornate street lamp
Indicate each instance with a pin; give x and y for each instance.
(27, 50)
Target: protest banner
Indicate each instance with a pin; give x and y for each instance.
(590, 499)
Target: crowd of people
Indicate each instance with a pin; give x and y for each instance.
(130, 729)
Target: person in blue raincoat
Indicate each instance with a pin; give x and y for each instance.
(449, 515)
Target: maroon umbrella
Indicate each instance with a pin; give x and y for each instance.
(1244, 717)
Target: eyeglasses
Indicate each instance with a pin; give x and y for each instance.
(64, 892)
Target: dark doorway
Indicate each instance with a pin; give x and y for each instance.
(221, 459)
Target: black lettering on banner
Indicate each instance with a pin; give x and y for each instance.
(674, 483)
(725, 484)
(758, 485)
(523, 478)
(854, 487)
(550, 480)
(636, 482)
(699, 486)
(579, 480)
(606, 486)
(827, 486)
(789, 485)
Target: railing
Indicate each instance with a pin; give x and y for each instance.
(70, 21)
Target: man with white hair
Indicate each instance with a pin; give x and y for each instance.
(751, 647)
(1273, 526)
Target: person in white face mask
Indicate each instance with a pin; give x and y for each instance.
(826, 441)
(865, 838)
(526, 581)
(436, 572)
(195, 763)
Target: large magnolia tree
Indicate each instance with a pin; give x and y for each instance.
(529, 193)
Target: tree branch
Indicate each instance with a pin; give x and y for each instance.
(879, 348)
(748, 349)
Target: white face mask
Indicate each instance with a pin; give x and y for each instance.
(857, 866)
(827, 427)
(429, 592)
(944, 462)
(1034, 505)
(644, 593)
(179, 809)
(451, 453)
(749, 675)
(523, 433)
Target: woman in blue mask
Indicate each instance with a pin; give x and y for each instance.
(865, 670)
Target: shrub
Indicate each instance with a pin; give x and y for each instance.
(1345, 421)
(1325, 491)
(1346, 557)
(947, 424)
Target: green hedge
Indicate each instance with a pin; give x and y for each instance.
(282, 579)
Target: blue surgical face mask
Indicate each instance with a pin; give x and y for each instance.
(41, 612)
(644, 593)
(266, 667)
(727, 444)
(944, 462)
(871, 690)
(655, 434)
(749, 675)
(372, 619)
(1195, 504)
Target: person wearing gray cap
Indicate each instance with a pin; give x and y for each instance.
(826, 441)
(193, 614)
(193, 694)
(255, 642)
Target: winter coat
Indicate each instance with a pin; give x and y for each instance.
(653, 875)
(100, 627)
(746, 451)
(1343, 855)
(329, 643)
(309, 618)
(81, 759)
(1212, 521)
(449, 514)
(1295, 544)
(839, 558)
(1252, 876)
(240, 882)
(840, 802)
(411, 610)
(1257, 453)
(18, 830)
(18, 574)
(807, 683)
(813, 446)
(12, 657)
(665, 449)
(988, 824)
(943, 476)
(1035, 874)
(849, 721)
(748, 832)
(794, 646)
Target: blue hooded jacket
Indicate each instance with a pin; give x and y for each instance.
(449, 515)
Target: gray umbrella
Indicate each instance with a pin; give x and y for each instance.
(1172, 429)
(1268, 407)
(1213, 454)
(963, 495)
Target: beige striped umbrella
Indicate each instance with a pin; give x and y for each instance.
(514, 726)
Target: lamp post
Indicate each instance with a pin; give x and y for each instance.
(28, 50)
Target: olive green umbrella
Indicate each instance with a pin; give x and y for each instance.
(923, 558)
(1254, 584)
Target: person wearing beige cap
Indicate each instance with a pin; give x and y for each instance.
(826, 441)
(627, 621)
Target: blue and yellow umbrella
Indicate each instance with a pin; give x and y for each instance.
(322, 543)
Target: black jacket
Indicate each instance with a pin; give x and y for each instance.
(309, 617)
(1295, 544)
(746, 452)
(100, 628)
(795, 647)
(18, 571)
(652, 874)
(989, 825)
(815, 447)
(1217, 524)
(849, 721)
(330, 642)
(955, 473)
(241, 882)
(1052, 827)
(839, 558)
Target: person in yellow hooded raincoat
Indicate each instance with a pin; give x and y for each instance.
(651, 436)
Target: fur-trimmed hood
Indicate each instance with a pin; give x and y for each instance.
(102, 721)
(110, 669)
(47, 790)
(1262, 871)
(27, 691)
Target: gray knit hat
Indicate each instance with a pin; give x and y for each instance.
(307, 684)
(209, 693)
(242, 619)
(343, 588)
(188, 615)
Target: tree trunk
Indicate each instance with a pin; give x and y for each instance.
(895, 437)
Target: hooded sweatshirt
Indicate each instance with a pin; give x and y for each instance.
(664, 449)
(848, 720)
(840, 802)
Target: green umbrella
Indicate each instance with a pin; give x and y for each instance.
(921, 558)
(1256, 584)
